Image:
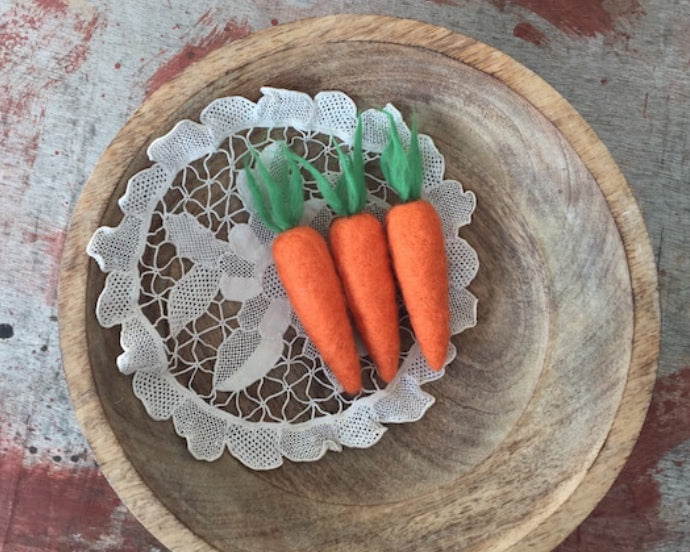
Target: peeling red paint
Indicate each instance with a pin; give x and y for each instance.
(527, 31)
(627, 519)
(51, 245)
(54, 5)
(52, 507)
(10, 462)
(65, 37)
(587, 18)
(32, 142)
(53, 241)
(206, 18)
(232, 30)
(76, 57)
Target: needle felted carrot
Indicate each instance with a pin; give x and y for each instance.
(306, 268)
(359, 248)
(416, 242)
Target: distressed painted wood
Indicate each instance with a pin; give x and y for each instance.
(72, 72)
(543, 406)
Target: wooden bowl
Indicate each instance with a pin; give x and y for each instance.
(543, 404)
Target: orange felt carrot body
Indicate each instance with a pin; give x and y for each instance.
(360, 251)
(416, 242)
(306, 269)
(417, 246)
(359, 248)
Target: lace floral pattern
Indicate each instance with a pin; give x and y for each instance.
(206, 328)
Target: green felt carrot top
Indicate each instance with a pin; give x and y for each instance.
(403, 169)
(279, 200)
(349, 195)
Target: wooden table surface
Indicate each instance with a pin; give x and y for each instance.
(73, 71)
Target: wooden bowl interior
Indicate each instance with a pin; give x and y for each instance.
(526, 406)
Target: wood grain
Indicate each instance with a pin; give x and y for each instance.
(547, 396)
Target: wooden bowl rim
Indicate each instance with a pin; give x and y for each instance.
(631, 412)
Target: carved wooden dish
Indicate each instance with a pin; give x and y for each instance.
(541, 408)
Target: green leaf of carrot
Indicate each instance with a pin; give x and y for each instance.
(327, 191)
(350, 179)
(275, 194)
(295, 193)
(402, 170)
(259, 201)
(279, 200)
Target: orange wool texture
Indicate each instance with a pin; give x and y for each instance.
(360, 251)
(306, 269)
(416, 242)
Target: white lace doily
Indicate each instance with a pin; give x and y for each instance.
(206, 328)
